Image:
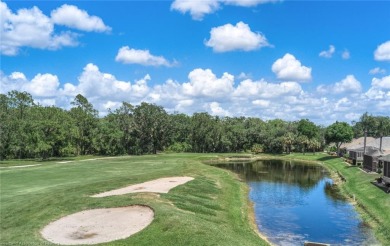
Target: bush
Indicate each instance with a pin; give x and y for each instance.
(180, 147)
(257, 148)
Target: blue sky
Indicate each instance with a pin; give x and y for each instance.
(321, 60)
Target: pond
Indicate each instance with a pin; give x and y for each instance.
(296, 202)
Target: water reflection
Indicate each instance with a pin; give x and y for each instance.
(297, 202)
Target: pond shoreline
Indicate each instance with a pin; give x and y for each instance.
(337, 178)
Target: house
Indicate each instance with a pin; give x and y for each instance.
(355, 149)
(384, 181)
(356, 155)
(371, 159)
(385, 163)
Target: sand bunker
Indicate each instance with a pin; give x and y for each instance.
(162, 185)
(22, 166)
(98, 225)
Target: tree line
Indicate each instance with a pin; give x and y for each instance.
(30, 130)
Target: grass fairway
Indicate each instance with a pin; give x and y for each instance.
(212, 209)
(372, 203)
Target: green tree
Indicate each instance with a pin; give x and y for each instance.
(108, 136)
(124, 116)
(16, 123)
(339, 133)
(179, 132)
(84, 117)
(49, 132)
(383, 128)
(150, 122)
(289, 139)
(307, 128)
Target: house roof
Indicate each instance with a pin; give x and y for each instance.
(358, 143)
(372, 151)
(385, 143)
(385, 158)
(361, 149)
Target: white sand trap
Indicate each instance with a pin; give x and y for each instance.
(163, 185)
(22, 166)
(98, 225)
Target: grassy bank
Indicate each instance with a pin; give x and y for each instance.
(210, 210)
(372, 202)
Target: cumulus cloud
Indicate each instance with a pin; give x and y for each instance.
(142, 57)
(328, 53)
(198, 9)
(42, 85)
(73, 17)
(218, 95)
(248, 3)
(289, 68)
(348, 85)
(383, 83)
(263, 89)
(377, 70)
(261, 103)
(17, 76)
(379, 93)
(30, 28)
(382, 52)
(93, 82)
(203, 82)
(343, 105)
(215, 109)
(239, 37)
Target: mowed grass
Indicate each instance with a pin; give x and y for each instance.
(212, 209)
(372, 202)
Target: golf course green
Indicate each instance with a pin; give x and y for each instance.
(211, 209)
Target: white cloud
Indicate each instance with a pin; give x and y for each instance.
(248, 3)
(218, 95)
(352, 116)
(42, 85)
(216, 109)
(328, 53)
(383, 83)
(17, 76)
(377, 70)
(342, 105)
(262, 89)
(261, 103)
(93, 82)
(289, 68)
(197, 9)
(73, 17)
(346, 55)
(142, 57)
(205, 83)
(243, 76)
(239, 37)
(382, 53)
(30, 28)
(348, 85)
